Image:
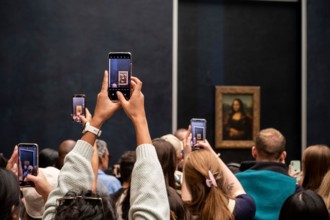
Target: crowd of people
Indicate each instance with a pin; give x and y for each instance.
(156, 181)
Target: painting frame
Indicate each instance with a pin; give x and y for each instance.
(252, 96)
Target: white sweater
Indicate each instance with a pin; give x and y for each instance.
(148, 191)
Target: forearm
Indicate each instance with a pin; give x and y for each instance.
(148, 190)
(76, 175)
(90, 137)
(233, 185)
(185, 194)
(142, 131)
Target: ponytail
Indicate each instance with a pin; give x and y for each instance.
(216, 206)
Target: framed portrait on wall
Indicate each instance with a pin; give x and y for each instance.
(237, 116)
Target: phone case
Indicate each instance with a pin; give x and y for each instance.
(78, 106)
(198, 130)
(120, 72)
(295, 166)
(28, 162)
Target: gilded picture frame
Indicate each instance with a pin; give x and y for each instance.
(237, 116)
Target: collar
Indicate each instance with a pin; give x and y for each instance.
(273, 166)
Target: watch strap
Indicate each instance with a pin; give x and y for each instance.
(89, 128)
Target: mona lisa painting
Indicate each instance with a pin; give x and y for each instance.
(237, 116)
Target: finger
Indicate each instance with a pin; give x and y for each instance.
(137, 82)
(30, 177)
(13, 158)
(88, 113)
(105, 82)
(82, 118)
(121, 97)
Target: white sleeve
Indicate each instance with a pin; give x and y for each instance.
(148, 190)
(76, 175)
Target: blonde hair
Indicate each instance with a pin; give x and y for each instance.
(324, 189)
(207, 202)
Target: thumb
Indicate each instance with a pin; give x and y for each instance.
(121, 97)
(30, 177)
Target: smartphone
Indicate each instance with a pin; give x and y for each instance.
(198, 130)
(78, 106)
(295, 166)
(120, 71)
(28, 162)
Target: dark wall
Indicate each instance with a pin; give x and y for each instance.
(241, 43)
(318, 67)
(53, 49)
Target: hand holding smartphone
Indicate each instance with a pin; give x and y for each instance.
(28, 162)
(295, 168)
(120, 71)
(198, 131)
(78, 106)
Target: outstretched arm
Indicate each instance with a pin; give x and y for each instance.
(148, 190)
(233, 186)
(77, 174)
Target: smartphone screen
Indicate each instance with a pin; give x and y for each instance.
(27, 162)
(78, 106)
(198, 130)
(120, 70)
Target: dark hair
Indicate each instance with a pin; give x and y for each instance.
(127, 162)
(84, 206)
(48, 157)
(9, 193)
(178, 210)
(316, 163)
(304, 205)
(123, 205)
(167, 158)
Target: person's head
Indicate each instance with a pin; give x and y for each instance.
(270, 146)
(103, 153)
(315, 163)
(208, 198)
(84, 206)
(176, 143)
(9, 195)
(304, 205)
(237, 106)
(127, 162)
(48, 157)
(181, 133)
(63, 149)
(324, 189)
(33, 202)
(167, 158)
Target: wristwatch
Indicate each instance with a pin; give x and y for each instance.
(89, 128)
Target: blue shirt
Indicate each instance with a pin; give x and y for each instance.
(111, 183)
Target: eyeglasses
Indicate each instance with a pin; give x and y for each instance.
(63, 200)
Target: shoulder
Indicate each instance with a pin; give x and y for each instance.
(245, 207)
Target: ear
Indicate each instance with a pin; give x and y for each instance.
(254, 152)
(282, 157)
